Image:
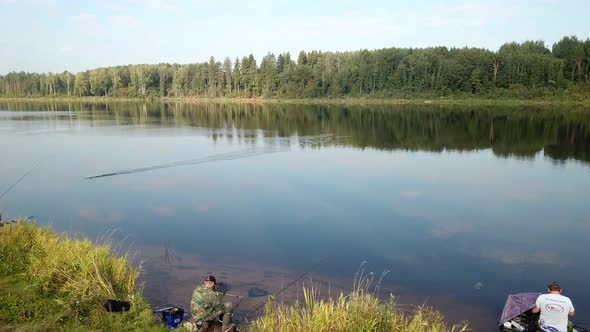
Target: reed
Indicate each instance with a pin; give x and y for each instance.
(360, 310)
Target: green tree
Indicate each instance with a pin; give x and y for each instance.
(227, 77)
(571, 50)
(82, 84)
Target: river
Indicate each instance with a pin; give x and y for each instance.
(462, 205)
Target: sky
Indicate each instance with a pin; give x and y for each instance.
(58, 35)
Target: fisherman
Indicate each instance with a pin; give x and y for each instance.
(555, 309)
(206, 306)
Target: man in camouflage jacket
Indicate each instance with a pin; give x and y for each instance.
(206, 305)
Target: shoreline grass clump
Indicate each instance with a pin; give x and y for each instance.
(357, 311)
(49, 281)
(360, 310)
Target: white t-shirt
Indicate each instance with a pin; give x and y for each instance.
(554, 312)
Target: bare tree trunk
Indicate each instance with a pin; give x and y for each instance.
(573, 72)
(496, 65)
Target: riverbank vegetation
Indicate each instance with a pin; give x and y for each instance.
(52, 282)
(345, 101)
(357, 311)
(528, 70)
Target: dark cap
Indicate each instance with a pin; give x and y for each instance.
(210, 278)
(554, 286)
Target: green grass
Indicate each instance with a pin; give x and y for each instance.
(51, 282)
(358, 311)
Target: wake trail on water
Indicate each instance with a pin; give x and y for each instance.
(218, 157)
(313, 141)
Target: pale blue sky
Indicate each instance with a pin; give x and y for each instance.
(55, 35)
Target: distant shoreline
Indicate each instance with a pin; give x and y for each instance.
(314, 101)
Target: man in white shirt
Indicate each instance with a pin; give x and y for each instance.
(555, 309)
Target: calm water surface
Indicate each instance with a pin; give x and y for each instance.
(462, 205)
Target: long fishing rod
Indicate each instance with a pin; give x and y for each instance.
(313, 268)
(17, 182)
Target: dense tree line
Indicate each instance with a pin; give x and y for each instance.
(517, 69)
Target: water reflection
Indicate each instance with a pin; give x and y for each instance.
(463, 205)
(518, 132)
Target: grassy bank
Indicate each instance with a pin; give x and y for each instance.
(475, 101)
(49, 282)
(357, 311)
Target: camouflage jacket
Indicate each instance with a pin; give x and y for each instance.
(206, 304)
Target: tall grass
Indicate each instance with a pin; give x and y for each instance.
(51, 281)
(360, 310)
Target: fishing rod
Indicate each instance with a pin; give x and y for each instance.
(9, 189)
(18, 181)
(313, 268)
(241, 298)
(25, 175)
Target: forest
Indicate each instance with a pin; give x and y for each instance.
(517, 70)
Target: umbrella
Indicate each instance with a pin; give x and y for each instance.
(517, 304)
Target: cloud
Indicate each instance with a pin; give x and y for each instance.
(27, 2)
(155, 4)
(365, 25)
(305, 28)
(471, 14)
(123, 20)
(66, 49)
(90, 20)
(85, 21)
(98, 24)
